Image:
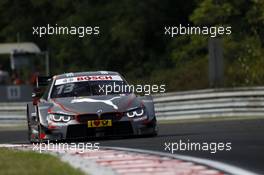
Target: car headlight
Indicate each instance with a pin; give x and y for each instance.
(60, 118)
(135, 113)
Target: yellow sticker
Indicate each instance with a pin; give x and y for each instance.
(99, 123)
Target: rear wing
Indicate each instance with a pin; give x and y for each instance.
(43, 80)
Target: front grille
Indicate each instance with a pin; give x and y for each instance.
(85, 117)
(119, 129)
(114, 116)
(82, 131)
(78, 131)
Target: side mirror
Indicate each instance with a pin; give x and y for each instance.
(34, 95)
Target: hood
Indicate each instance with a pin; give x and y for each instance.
(92, 104)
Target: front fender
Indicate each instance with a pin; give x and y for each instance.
(43, 109)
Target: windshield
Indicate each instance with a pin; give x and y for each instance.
(87, 88)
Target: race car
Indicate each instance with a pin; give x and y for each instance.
(85, 105)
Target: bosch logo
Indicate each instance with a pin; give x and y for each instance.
(87, 78)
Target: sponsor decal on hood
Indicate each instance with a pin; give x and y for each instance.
(90, 100)
(88, 78)
(92, 104)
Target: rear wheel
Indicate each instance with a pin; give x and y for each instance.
(154, 129)
(29, 133)
(32, 133)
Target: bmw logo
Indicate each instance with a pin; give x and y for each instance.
(99, 112)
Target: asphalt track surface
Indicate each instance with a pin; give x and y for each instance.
(246, 136)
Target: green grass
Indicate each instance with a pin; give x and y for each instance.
(14, 162)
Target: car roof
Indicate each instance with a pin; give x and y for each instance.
(92, 73)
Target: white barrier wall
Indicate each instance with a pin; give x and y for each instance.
(211, 103)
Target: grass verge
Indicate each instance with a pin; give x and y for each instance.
(15, 162)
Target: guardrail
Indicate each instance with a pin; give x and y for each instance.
(210, 103)
(12, 113)
(183, 105)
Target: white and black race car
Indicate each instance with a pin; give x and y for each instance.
(76, 106)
